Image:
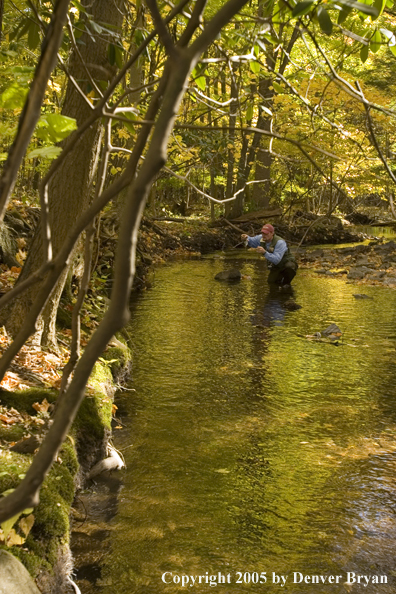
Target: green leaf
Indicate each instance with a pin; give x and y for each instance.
(55, 127)
(78, 5)
(302, 7)
(380, 5)
(46, 152)
(278, 88)
(376, 42)
(364, 52)
(389, 3)
(393, 49)
(344, 14)
(8, 524)
(254, 66)
(97, 28)
(360, 6)
(324, 20)
(249, 113)
(14, 97)
(119, 56)
(111, 54)
(33, 36)
(201, 82)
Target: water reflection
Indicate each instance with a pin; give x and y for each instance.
(254, 448)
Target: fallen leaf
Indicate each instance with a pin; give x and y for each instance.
(13, 539)
(8, 420)
(43, 407)
(26, 524)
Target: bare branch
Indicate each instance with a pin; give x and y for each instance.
(162, 31)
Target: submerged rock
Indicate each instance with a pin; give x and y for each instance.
(361, 296)
(233, 274)
(291, 305)
(330, 331)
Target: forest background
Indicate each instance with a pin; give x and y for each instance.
(201, 109)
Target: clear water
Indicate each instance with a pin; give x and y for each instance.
(250, 447)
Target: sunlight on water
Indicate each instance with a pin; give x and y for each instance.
(255, 448)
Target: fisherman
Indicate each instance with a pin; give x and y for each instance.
(281, 262)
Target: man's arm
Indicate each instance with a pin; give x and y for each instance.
(278, 253)
(253, 242)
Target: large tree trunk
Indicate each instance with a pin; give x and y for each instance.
(70, 188)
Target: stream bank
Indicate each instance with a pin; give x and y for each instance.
(40, 537)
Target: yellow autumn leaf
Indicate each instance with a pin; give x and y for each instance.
(13, 539)
(26, 524)
(7, 525)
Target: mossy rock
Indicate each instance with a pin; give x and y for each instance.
(94, 415)
(51, 517)
(34, 563)
(119, 360)
(23, 400)
(11, 432)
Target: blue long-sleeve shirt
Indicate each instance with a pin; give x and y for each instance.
(279, 250)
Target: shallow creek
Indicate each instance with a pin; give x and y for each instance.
(249, 447)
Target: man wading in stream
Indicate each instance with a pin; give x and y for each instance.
(281, 262)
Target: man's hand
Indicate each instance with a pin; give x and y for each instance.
(244, 236)
(260, 250)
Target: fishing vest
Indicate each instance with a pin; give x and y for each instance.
(287, 256)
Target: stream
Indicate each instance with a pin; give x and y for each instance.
(252, 451)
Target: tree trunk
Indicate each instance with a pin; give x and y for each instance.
(69, 191)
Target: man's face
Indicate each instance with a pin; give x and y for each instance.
(267, 236)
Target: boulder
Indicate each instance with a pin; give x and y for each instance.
(359, 273)
(332, 330)
(231, 275)
(14, 577)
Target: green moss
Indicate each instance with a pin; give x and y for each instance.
(34, 563)
(69, 457)
(23, 400)
(11, 432)
(94, 416)
(52, 514)
(117, 358)
(12, 466)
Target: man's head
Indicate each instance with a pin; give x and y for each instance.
(267, 232)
